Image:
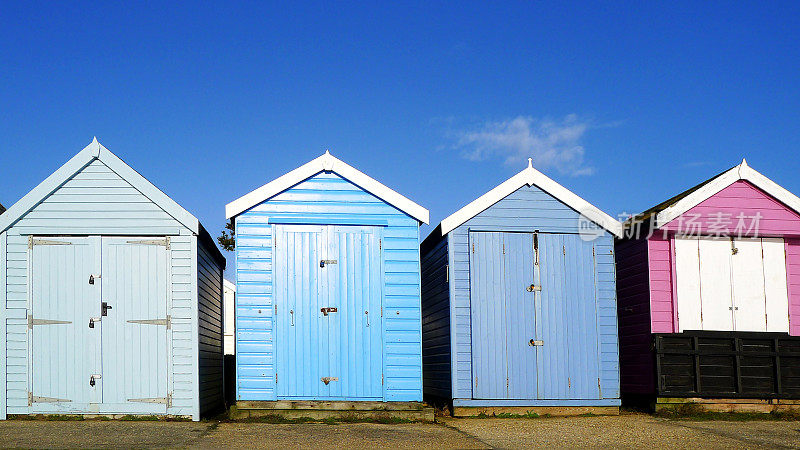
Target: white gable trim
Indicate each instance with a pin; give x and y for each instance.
(93, 151)
(740, 172)
(529, 177)
(327, 163)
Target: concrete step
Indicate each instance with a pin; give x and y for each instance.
(321, 410)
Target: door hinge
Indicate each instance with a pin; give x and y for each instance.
(32, 241)
(276, 378)
(276, 309)
(32, 322)
(167, 321)
(504, 248)
(473, 247)
(569, 382)
(599, 389)
(447, 273)
(380, 244)
(165, 400)
(381, 379)
(564, 249)
(165, 242)
(506, 382)
(36, 399)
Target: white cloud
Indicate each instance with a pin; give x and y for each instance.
(551, 143)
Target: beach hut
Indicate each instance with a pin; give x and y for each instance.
(519, 307)
(110, 298)
(709, 296)
(327, 289)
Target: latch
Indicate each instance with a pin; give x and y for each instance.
(326, 311)
(92, 320)
(535, 343)
(534, 288)
(104, 307)
(92, 379)
(327, 380)
(322, 262)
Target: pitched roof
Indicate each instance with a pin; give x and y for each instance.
(93, 151)
(673, 208)
(529, 177)
(326, 163)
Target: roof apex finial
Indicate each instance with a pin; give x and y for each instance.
(744, 162)
(530, 163)
(327, 152)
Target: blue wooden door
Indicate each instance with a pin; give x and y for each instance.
(64, 350)
(534, 316)
(301, 335)
(135, 350)
(329, 289)
(521, 320)
(566, 308)
(355, 289)
(503, 315)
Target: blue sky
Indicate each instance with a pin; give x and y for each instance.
(624, 103)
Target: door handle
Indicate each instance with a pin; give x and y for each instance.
(366, 313)
(291, 313)
(326, 311)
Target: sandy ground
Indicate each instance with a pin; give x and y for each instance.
(625, 431)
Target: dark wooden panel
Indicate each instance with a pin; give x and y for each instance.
(728, 364)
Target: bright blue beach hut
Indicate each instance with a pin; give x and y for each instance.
(110, 298)
(328, 288)
(519, 303)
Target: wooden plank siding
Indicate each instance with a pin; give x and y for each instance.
(530, 209)
(436, 363)
(637, 364)
(329, 199)
(210, 333)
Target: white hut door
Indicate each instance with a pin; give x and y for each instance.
(64, 350)
(747, 274)
(731, 285)
(136, 325)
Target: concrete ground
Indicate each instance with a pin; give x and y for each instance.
(628, 431)
(625, 431)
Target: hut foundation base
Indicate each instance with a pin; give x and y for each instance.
(336, 410)
(472, 411)
(740, 405)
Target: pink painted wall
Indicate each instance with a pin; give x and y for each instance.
(740, 197)
(793, 275)
(661, 304)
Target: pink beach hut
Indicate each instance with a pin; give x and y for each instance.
(709, 296)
